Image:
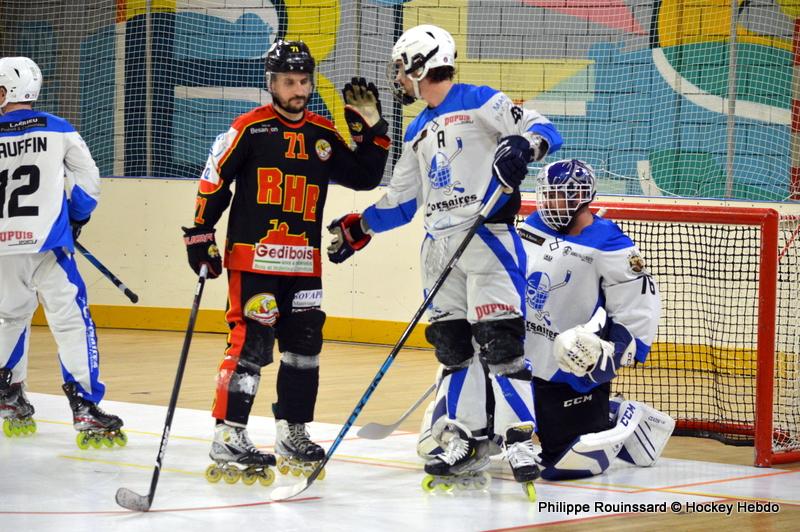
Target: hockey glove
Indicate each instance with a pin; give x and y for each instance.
(201, 246)
(511, 161)
(77, 226)
(348, 237)
(578, 350)
(362, 110)
(539, 146)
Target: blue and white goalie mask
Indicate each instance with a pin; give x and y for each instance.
(562, 188)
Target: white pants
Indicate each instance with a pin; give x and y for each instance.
(487, 283)
(53, 276)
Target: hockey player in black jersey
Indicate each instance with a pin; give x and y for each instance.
(281, 158)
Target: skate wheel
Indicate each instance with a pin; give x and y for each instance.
(283, 469)
(82, 440)
(231, 475)
(296, 471)
(249, 477)
(213, 473)
(121, 439)
(7, 428)
(446, 486)
(108, 442)
(483, 481)
(31, 426)
(530, 491)
(321, 475)
(95, 442)
(428, 483)
(267, 477)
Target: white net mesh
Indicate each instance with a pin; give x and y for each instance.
(654, 94)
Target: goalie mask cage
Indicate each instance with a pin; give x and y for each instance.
(726, 360)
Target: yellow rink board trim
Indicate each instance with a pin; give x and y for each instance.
(664, 355)
(175, 319)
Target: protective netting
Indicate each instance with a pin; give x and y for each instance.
(702, 368)
(656, 95)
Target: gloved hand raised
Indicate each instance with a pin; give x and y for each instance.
(362, 110)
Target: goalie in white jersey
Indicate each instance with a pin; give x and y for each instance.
(468, 141)
(592, 308)
(37, 226)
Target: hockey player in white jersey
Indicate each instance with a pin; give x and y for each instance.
(38, 223)
(593, 308)
(468, 141)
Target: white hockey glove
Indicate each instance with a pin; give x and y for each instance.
(579, 350)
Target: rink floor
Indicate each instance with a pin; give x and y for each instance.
(50, 484)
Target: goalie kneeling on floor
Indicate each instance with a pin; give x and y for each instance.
(592, 308)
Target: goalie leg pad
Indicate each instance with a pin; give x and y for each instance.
(591, 454)
(645, 445)
(513, 396)
(452, 340)
(500, 341)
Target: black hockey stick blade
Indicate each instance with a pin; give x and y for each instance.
(377, 431)
(133, 501)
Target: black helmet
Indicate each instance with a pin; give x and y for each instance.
(289, 56)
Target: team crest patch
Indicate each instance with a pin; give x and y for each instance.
(324, 149)
(356, 126)
(636, 263)
(262, 308)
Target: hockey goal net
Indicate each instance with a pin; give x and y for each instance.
(726, 360)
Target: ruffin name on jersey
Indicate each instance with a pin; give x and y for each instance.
(26, 145)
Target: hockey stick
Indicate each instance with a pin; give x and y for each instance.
(105, 271)
(287, 492)
(125, 497)
(376, 431)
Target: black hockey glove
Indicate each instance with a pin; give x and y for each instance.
(362, 110)
(511, 161)
(77, 226)
(201, 246)
(348, 237)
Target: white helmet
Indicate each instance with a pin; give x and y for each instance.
(21, 78)
(418, 50)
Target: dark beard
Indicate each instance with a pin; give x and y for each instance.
(289, 108)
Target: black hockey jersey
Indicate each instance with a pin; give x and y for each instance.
(282, 170)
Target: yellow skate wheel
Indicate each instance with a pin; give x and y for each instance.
(108, 441)
(82, 440)
(213, 473)
(297, 471)
(121, 439)
(447, 486)
(7, 428)
(95, 442)
(31, 426)
(231, 474)
(283, 466)
(16, 428)
(427, 483)
(249, 477)
(530, 491)
(321, 474)
(267, 477)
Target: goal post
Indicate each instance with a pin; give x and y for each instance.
(726, 360)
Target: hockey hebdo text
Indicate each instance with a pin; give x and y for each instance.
(676, 507)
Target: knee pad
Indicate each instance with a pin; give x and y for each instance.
(500, 340)
(645, 445)
(591, 454)
(452, 340)
(301, 332)
(258, 344)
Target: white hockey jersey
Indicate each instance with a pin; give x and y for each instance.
(36, 151)
(446, 162)
(569, 277)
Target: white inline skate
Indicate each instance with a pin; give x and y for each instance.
(297, 454)
(235, 457)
